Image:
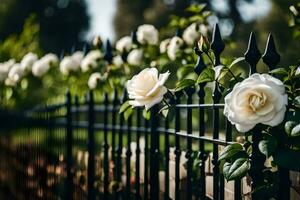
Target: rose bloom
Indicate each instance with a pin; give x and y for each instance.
(135, 57)
(163, 47)
(260, 98)
(93, 80)
(147, 34)
(193, 33)
(124, 44)
(28, 60)
(147, 88)
(174, 47)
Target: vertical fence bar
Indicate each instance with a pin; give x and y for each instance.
(189, 187)
(120, 146)
(137, 153)
(218, 46)
(200, 66)
(216, 121)
(106, 161)
(272, 58)
(154, 161)
(177, 147)
(91, 147)
(252, 56)
(113, 131)
(128, 159)
(167, 160)
(146, 152)
(69, 138)
(237, 183)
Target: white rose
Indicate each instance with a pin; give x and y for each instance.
(28, 61)
(124, 44)
(71, 63)
(193, 33)
(15, 74)
(40, 67)
(147, 34)
(164, 45)
(117, 61)
(174, 47)
(91, 60)
(147, 88)
(67, 65)
(93, 80)
(260, 98)
(50, 59)
(78, 57)
(4, 69)
(135, 57)
(297, 71)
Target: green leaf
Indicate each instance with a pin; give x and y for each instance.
(184, 71)
(237, 60)
(266, 191)
(195, 8)
(282, 71)
(237, 169)
(230, 150)
(207, 75)
(288, 158)
(289, 125)
(124, 107)
(146, 114)
(184, 84)
(267, 147)
(296, 131)
(128, 113)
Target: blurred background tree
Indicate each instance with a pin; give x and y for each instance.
(59, 24)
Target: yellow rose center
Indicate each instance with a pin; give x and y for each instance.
(257, 101)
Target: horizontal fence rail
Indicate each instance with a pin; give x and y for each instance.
(87, 150)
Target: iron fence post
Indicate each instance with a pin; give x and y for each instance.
(154, 153)
(91, 147)
(69, 138)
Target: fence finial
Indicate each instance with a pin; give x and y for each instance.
(252, 54)
(217, 44)
(271, 56)
(108, 52)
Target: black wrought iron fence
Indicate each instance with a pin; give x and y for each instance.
(87, 150)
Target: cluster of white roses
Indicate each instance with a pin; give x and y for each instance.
(190, 35)
(12, 72)
(78, 61)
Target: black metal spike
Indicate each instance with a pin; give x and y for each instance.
(200, 65)
(252, 54)
(134, 37)
(271, 56)
(108, 56)
(217, 44)
(178, 32)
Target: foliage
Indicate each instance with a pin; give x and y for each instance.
(16, 46)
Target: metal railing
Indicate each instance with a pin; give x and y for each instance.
(145, 172)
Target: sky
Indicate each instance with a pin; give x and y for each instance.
(101, 12)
